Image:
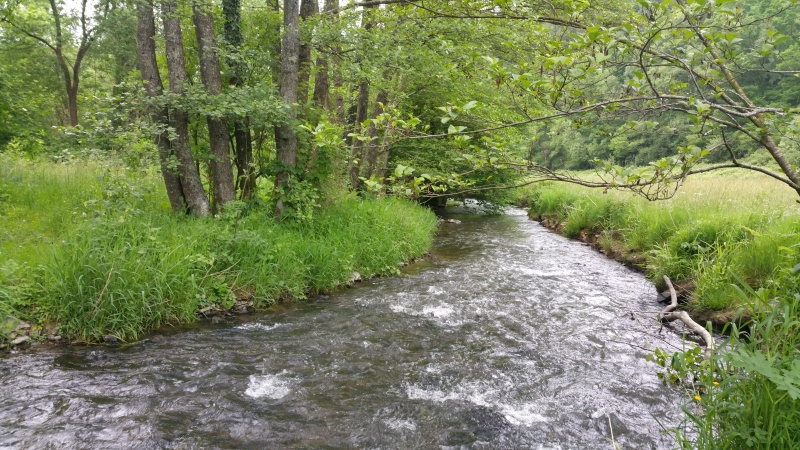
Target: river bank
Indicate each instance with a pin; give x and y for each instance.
(734, 245)
(711, 245)
(87, 258)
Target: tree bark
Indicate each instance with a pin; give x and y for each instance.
(322, 97)
(220, 165)
(245, 170)
(146, 49)
(72, 102)
(308, 8)
(285, 137)
(193, 190)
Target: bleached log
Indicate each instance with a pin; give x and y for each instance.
(668, 314)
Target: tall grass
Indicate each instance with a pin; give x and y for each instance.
(706, 234)
(100, 254)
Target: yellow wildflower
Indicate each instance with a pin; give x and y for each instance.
(698, 398)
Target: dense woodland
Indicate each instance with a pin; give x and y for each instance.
(164, 158)
(237, 100)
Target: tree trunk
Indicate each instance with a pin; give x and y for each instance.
(276, 46)
(373, 147)
(220, 165)
(285, 137)
(72, 103)
(245, 170)
(308, 8)
(358, 145)
(146, 47)
(322, 97)
(193, 190)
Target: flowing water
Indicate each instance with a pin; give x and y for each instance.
(509, 337)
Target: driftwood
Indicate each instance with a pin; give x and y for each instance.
(669, 314)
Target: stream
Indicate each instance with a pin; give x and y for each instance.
(508, 337)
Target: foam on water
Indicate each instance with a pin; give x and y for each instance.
(400, 424)
(269, 386)
(481, 395)
(437, 311)
(257, 326)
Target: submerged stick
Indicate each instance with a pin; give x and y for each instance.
(669, 314)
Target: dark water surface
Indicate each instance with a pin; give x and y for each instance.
(511, 337)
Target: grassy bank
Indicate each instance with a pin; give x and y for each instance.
(735, 242)
(716, 231)
(94, 251)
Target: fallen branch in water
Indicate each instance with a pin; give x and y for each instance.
(669, 314)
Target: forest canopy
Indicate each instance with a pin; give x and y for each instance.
(286, 101)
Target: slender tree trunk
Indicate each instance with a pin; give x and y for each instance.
(245, 170)
(308, 8)
(146, 47)
(220, 165)
(285, 137)
(193, 190)
(322, 97)
(72, 103)
(371, 157)
(358, 145)
(362, 104)
(276, 46)
(70, 82)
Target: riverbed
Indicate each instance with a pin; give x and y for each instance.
(509, 336)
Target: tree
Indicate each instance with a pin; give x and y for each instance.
(285, 136)
(193, 191)
(245, 170)
(220, 164)
(58, 40)
(145, 42)
(673, 59)
(308, 9)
